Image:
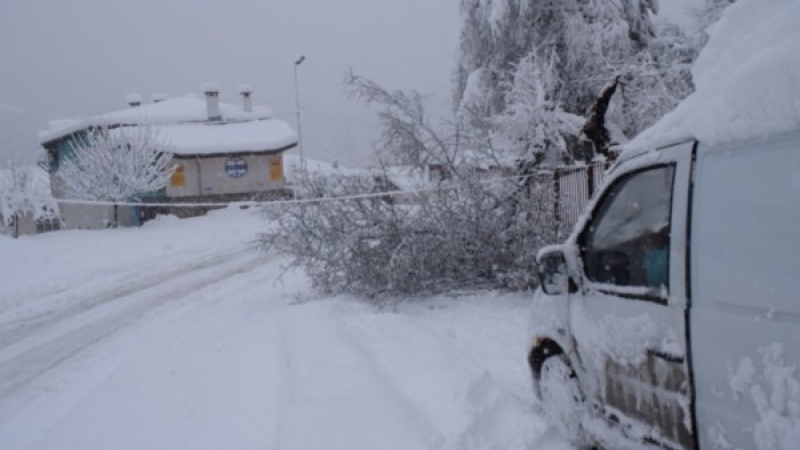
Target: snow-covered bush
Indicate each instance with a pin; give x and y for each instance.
(19, 194)
(480, 226)
(465, 235)
(115, 165)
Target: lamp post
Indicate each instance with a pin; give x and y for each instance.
(297, 104)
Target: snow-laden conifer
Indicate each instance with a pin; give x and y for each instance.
(586, 44)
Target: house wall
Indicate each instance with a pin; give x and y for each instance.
(26, 224)
(92, 217)
(18, 225)
(89, 217)
(207, 175)
(86, 216)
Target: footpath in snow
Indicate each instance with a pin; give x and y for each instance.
(180, 335)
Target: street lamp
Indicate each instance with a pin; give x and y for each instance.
(297, 102)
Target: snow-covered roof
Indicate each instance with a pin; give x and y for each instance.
(189, 108)
(227, 137)
(747, 80)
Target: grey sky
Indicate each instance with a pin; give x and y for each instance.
(74, 58)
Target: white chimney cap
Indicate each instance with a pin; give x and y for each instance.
(209, 88)
(160, 97)
(245, 89)
(133, 98)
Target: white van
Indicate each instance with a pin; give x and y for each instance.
(671, 316)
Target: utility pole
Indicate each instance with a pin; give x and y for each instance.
(299, 131)
(297, 104)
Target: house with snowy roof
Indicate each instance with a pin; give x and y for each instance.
(221, 152)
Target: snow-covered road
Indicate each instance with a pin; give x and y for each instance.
(177, 335)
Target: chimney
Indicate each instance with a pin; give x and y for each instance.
(212, 101)
(247, 99)
(133, 100)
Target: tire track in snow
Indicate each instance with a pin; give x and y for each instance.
(80, 299)
(363, 379)
(334, 387)
(460, 393)
(50, 346)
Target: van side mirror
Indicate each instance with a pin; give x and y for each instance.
(553, 273)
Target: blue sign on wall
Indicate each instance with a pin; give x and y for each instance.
(236, 167)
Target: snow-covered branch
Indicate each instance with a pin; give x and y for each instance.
(115, 164)
(467, 234)
(20, 194)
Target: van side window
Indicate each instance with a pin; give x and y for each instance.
(627, 241)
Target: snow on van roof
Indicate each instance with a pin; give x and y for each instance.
(174, 110)
(747, 80)
(226, 137)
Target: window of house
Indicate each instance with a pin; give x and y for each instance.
(627, 241)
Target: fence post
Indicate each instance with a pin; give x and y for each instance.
(557, 203)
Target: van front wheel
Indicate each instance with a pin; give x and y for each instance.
(562, 397)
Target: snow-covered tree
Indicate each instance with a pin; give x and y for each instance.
(20, 195)
(655, 79)
(115, 165)
(584, 38)
(577, 47)
(534, 126)
(462, 232)
(409, 137)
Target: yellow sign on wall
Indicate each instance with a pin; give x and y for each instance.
(178, 177)
(276, 169)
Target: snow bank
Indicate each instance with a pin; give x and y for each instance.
(747, 80)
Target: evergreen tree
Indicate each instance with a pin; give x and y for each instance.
(579, 46)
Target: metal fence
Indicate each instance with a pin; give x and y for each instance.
(559, 196)
(574, 187)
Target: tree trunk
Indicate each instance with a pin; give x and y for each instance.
(595, 128)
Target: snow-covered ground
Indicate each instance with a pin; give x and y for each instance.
(179, 335)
